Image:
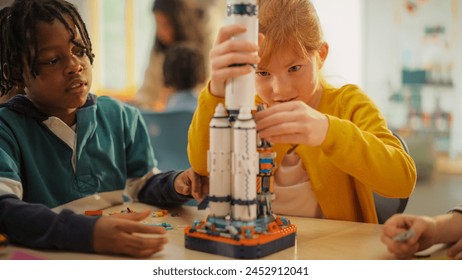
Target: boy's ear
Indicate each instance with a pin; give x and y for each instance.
(323, 52)
(13, 74)
(5, 71)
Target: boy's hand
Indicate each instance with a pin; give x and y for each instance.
(191, 183)
(116, 235)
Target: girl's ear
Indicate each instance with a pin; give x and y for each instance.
(323, 52)
(261, 38)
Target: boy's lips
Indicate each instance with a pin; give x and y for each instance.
(76, 83)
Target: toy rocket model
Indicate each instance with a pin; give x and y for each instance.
(240, 91)
(240, 223)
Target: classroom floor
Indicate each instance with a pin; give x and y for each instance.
(436, 195)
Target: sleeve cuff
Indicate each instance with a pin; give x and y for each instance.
(78, 231)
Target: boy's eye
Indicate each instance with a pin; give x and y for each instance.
(51, 61)
(78, 51)
(262, 73)
(294, 68)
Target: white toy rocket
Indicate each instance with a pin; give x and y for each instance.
(240, 221)
(233, 143)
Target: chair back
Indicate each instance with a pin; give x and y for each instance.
(169, 137)
(385, 207)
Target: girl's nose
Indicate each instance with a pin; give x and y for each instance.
(279, 89)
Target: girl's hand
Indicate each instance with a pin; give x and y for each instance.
(292, 122)
(118, 235)
(226, 52)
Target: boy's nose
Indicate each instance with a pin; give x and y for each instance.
(74, 66)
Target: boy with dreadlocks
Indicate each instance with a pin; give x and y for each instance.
(59, 143)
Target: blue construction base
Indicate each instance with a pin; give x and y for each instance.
(239, 251)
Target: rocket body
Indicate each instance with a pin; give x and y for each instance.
(244, 167)
(240, 91)
(233, 160)
(219, 163)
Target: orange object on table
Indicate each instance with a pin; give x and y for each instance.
(93, 212)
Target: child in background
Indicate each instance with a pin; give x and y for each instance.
(176, 21)
(333, 145)
(426, 231)
(59, 143)
(183, 70)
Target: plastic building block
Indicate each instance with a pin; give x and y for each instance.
(160, 213)
(93, 212)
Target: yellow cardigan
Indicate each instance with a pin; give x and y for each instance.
(359, 155)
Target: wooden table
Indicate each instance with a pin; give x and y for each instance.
(317, 239)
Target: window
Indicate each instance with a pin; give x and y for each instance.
(122, 33)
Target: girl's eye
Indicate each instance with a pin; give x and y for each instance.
(263, 73)
(294, 68)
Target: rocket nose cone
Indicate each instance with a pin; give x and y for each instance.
(220, 111)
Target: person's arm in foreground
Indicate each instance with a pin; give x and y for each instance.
(37, 226)
(426, 232)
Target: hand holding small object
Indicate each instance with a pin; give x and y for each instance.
(404, 236)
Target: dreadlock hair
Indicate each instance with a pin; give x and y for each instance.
(17, 36)
(183, 67)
